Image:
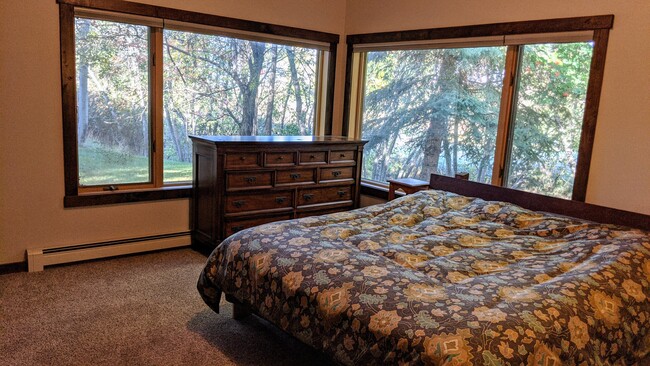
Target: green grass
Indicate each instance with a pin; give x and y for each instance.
(102, 166)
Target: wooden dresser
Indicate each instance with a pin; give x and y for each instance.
(245, 181)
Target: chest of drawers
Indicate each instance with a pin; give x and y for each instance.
(245, 181)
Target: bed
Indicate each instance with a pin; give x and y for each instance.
(440, 278)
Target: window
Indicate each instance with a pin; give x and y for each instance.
(432, 110)
(507, 109)
(113, 114)
(216, 85)
(547, 117)
(135, 86)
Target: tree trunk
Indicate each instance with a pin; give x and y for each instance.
(437, 130)
(455, 146)
(82, 93)
(172, 133)
(249, 92)
(144, 121)
(380, 173)
(284, 112)
(432, 148)
(268, 121)
(291, 56)
(447, 150)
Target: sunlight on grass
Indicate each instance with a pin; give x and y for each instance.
(101, 166)
(177, 171)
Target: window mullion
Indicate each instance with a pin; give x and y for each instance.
(320, 94)
(358, 83)
(156, 103)
(506, 116)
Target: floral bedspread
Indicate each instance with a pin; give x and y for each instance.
(440, 279)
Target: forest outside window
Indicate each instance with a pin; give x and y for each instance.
(113, 103)
(509, 110)
(215, 85)
(143, 84)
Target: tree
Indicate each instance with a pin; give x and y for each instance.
(437, 111)
(423, 103)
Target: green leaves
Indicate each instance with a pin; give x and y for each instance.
(424, 104)
(437, 110)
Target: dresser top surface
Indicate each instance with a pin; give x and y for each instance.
(272, 139)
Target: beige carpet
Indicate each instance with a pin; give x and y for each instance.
(138, 310)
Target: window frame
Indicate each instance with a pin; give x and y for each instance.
(599, 25)
(156, 189)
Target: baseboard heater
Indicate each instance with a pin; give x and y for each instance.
(37, 259)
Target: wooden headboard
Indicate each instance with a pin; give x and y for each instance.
(538, 202)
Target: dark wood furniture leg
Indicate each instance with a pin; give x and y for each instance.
(240, 311)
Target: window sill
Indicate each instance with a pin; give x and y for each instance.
(376, 190)
(110, 198)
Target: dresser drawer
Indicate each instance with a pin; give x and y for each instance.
(248, 180)
(240, 181)
(343, 156)
(242, 161)
(313, 157)
(295, 177)
(280, 159)
(324, 195)
(323, 212)
(239, 225)
(259, 201)
(334, 174)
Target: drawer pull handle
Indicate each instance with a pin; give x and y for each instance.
(336, 173)
(341, 193)
(281, 157)
(280, 199)
(294, 175)
(242, 158)
(250, 180)
(312, 157)
(239, 203)
(237, 228)
(308, 197)
(341, 155)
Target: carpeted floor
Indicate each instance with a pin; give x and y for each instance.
(138, 310)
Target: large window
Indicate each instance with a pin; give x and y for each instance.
(142, 84)
(547, 117)
(434, 110)
(509, 110)
(113, 115)
(216, 85)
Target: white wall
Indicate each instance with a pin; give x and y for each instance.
(620, 167)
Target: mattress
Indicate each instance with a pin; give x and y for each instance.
(436, 278)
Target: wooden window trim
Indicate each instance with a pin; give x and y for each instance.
(485, 30)
(154, 190)
(143, 195)
(201, 18)
(506, 112)
(594, 88)
(600, 25)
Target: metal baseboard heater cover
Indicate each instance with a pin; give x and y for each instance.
(37, 259)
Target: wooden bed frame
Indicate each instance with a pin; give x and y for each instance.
(538, 202)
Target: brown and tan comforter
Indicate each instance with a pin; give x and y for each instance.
(436, 278)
